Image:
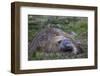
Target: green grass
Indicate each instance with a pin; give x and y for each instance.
(67, 24)
(57, 55)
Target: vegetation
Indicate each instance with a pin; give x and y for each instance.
(66, 23)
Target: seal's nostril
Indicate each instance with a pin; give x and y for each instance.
(69, 47)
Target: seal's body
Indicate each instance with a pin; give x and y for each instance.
(53, 39)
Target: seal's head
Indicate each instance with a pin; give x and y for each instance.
(66, 45)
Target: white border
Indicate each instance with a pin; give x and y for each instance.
(25, 64)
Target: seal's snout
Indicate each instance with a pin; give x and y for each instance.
(66, 45)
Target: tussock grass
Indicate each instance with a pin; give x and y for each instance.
(79, 25)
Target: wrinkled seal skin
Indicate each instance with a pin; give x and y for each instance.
(52, 39)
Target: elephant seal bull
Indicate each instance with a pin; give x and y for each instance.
(52, 39)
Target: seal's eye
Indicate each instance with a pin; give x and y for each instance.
(59, 41)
